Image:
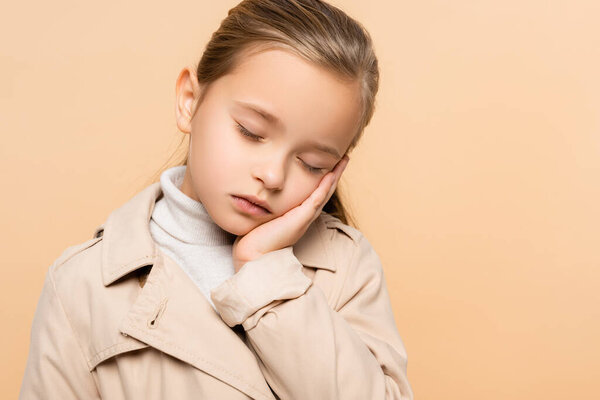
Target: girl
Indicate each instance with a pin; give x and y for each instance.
(236, 276)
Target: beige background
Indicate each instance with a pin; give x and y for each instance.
(477, 181)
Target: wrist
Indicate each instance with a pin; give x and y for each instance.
(240, 260)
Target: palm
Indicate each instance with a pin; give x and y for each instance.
(286, 229)
(274, 234)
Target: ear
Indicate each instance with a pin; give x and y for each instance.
(187, 92)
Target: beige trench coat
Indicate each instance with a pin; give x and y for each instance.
(119, 319)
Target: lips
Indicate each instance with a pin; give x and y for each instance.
(255, 200)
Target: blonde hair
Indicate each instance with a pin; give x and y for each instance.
(312, 29)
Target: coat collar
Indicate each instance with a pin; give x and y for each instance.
(128, 244)
(170, 313)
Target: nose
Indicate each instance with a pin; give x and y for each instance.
(271, 172)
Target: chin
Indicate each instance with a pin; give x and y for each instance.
(238, 226)
(236, 231)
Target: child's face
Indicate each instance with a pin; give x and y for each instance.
(311, 105)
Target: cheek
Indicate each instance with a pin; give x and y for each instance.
(210, 162)
(298, 191)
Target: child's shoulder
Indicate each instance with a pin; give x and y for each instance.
(337, 227)
(75, 249)
(77, 261)
(347, 242)
(357, 262)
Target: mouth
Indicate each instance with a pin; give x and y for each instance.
(250, 205)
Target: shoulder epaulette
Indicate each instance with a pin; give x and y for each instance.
(74, 249)
(332, 222)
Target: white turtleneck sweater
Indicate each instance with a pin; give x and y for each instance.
(183, 229)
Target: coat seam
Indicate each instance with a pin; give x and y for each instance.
(122, 267)
(349, 270)
(74, 333)
(94, 241)
(170, 344)
(107, 352)
(249, 305)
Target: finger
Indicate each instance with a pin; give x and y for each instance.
(302, 216)
(327, 186)
(337, 174)
(311, 207)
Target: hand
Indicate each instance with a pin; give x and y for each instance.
(286, 229)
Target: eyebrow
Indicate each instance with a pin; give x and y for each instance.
(263, 113)
(274, 120)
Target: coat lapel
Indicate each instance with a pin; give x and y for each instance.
(170, 313)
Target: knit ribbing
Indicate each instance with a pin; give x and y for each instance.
(184, 230)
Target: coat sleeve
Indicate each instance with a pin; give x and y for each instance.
(56, 367)
(307, 349)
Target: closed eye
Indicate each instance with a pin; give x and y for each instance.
(313, 170)
(246, 132)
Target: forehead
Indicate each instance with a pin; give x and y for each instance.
(307, 100)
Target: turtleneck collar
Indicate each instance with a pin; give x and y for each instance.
(183, 217)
